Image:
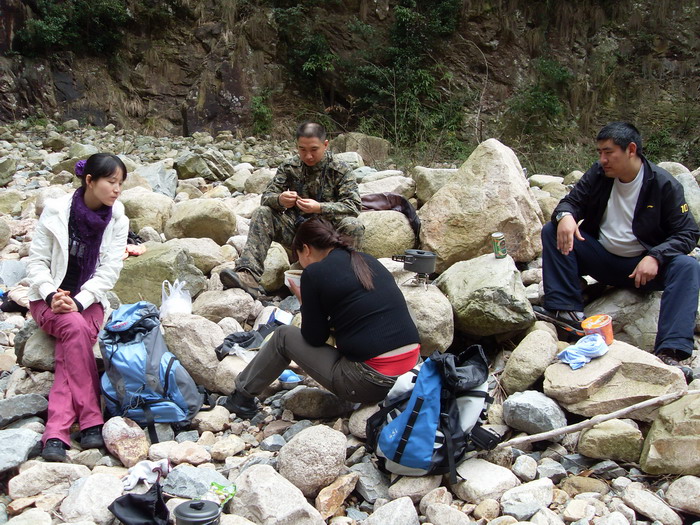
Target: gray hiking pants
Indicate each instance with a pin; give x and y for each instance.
(349, 380)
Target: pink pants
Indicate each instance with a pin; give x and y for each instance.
(75, 394)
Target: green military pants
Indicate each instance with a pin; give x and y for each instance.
(269, 225)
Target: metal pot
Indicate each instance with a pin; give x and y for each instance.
(201, 512)
(419, 261)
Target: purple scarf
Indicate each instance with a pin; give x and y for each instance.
(85, 230)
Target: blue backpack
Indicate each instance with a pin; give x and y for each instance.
(430, 417)
(143, 380)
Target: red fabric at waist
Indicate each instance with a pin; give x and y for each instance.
(395, 365)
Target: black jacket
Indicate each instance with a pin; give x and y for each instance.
(662, 222)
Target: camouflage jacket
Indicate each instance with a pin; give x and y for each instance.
(330, 182)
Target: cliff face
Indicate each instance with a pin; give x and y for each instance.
(631, 60)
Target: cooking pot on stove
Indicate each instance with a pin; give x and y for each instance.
(418, 261)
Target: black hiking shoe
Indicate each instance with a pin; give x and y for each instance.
(54, 450)
(243, 406)
(92, 437)
(567, 320)
(243, 280)
(671, 358)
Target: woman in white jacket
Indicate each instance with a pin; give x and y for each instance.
(74, 260)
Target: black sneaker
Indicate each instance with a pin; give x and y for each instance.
(671, 358)
(54, 450)
(92, 437)
(568, 320)
(243, 280)
(243, 406)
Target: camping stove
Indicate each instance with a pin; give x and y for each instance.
(419, 261)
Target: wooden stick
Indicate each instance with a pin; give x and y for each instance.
(543, 436)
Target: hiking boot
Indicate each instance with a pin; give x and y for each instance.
(243, 406)
(568, 320)
(92, 437)
(54, 450)
(670, 357)
(243, 280)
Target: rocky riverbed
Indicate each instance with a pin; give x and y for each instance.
(303, 459)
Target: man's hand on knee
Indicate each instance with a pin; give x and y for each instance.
(567, 229)
(645, 271)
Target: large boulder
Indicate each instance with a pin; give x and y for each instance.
(405, 186)
(528, 361)
(276, 263)
(371, 149)
(259, 180)
(487, 296)
(488, 194)
(217, 305)
(672, 445)
(691, 191)
(387, 233)
(625, 375)
(205, 253)
(429, 181)
(617, 439)
(8, 166)
(635, 315)
(192, 339)
(210, 218)
(142, 277)
(432, 313)
(146, 208)
(161, 179)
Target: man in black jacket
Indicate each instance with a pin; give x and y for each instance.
(627, 224)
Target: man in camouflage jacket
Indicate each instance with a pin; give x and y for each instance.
(311, 183)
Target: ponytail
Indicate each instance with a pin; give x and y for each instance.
(320, 234)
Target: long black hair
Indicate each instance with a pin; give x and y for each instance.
(320, 234)
(100, 165)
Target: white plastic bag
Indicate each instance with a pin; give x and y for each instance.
(175, 300)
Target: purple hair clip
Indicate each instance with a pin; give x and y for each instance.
(79, 168)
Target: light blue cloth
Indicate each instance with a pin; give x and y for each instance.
(587, 348)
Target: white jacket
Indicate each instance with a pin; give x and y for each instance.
(48, 256)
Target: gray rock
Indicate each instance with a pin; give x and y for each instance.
(684, 494)
(31, 516)
(454, 224)
(315, 403)
(414, 487)
(267, 498)
(16, 446)
(387, 233)
(273, 443)
(616, 439)
(205, 252)
(483, 480)
(192, 482)
(42, 476)
(89, 497)
(546, 517)
(487, 296)
(650, 505)
(525, 468)
(372, 484)
(524, 501)
(142, 277)
(161, 179)
(313, 458)
(528, 361)
(429, 180)
(20, 407)
(146, 209)
(218, 305)
(398, 512)
(296, 428)
(371, 149)
(79, 151)
(532, 412)
(404, 186)
(8, 166)
(210, 218)
(258, 180)
(551, 469)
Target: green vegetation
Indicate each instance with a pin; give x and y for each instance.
(261, 115)
(398, 91)
(94, 27)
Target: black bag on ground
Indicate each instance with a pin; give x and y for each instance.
(141, 509)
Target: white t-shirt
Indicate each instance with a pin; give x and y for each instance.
(616, 227)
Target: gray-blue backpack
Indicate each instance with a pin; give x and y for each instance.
(431, 416)
(143, 380)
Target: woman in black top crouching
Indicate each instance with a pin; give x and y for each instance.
(352, 295)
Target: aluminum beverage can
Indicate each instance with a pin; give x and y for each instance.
(498, 241)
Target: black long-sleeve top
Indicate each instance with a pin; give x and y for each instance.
(367, 323)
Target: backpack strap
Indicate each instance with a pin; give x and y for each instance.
(408, 430)
(150, 423)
